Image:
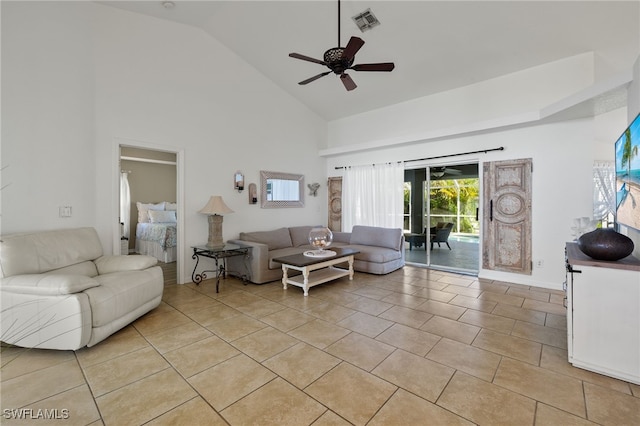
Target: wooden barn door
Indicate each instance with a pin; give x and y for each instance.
(507, 216)
(335, 204)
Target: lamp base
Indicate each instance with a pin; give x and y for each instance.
(215, 231)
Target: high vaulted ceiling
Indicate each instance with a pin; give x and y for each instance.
(435, 45)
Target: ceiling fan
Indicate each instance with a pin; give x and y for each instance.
(438, 172)
(340, 59)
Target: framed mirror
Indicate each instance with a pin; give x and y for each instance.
(281, 190)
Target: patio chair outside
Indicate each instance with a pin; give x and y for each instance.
(440, 234)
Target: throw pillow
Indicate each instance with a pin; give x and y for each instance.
(376, 236)
(300, 235)
(162, 216)
(276, 239)
(143, 210)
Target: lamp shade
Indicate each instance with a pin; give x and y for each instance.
(215, 205)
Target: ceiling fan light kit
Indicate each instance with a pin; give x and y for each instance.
(340, 59)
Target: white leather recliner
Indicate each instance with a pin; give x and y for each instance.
(58, 291)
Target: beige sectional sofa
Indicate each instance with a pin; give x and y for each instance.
(58, 290)
(381, 249)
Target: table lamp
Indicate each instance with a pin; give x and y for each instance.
(215, 208)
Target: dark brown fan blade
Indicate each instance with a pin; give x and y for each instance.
(347, 81)
(314, 78)
(383, 66)
(352, 48)
(307, 58)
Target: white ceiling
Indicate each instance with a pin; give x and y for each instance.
(435, 45)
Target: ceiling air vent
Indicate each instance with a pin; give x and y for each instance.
(366, 20)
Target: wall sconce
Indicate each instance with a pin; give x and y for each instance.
(253, 193)
(238, 181)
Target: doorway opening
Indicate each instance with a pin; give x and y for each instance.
(150, 206)
(441, 224)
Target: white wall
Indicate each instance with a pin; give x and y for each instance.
(48, 150)
(559, 190)
(563, 153)
(79, 78)
(509, 99)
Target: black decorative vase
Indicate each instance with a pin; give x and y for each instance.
(605, 244)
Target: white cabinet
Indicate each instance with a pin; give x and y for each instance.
(603, 314)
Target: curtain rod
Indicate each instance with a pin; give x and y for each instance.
(447, 155)
(148, 160)
(344, 167)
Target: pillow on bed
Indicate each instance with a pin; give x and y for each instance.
(162, 216)
(171, 206)
(143, 210)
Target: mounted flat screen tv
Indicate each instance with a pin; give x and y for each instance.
(628, 176)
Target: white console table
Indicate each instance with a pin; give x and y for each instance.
(603, 314)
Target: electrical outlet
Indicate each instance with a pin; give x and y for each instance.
(65, 211)
(539, 263)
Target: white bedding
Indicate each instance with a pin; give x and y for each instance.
(157, 240)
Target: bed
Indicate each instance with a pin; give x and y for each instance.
(156, 231)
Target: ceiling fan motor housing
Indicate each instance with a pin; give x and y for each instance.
(334, 60)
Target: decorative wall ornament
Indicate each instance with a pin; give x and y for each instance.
(313, 188)
(238, 181)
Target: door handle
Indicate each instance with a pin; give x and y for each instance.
(491, 211)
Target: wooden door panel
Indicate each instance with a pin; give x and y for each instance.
(509, 254)
(335, 204)
(507, 219)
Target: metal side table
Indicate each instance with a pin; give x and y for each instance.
(219, 254)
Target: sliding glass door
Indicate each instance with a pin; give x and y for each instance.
(441, 217)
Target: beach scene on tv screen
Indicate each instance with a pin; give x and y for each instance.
(628, 176)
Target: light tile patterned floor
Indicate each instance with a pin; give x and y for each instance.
(413, 347)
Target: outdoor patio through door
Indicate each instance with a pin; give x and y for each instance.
(441, 217)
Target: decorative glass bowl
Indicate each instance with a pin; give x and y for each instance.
(320, 238)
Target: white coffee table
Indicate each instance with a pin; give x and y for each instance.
(316, 270)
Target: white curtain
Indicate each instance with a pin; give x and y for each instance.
(125, 203)
(373, 195)
(604, 191)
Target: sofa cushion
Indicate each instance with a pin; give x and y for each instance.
(276, 239)
(341, 237)
(87, 268)
(38, 252)
(47, 284)
(287, 251)
(375, 254)
(122, 292)
(110, 264)
(300, 235)
(376, 236)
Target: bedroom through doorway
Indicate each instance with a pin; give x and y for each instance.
(149, 206)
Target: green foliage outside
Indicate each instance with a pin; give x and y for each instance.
(444, 203)
(407, 198)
